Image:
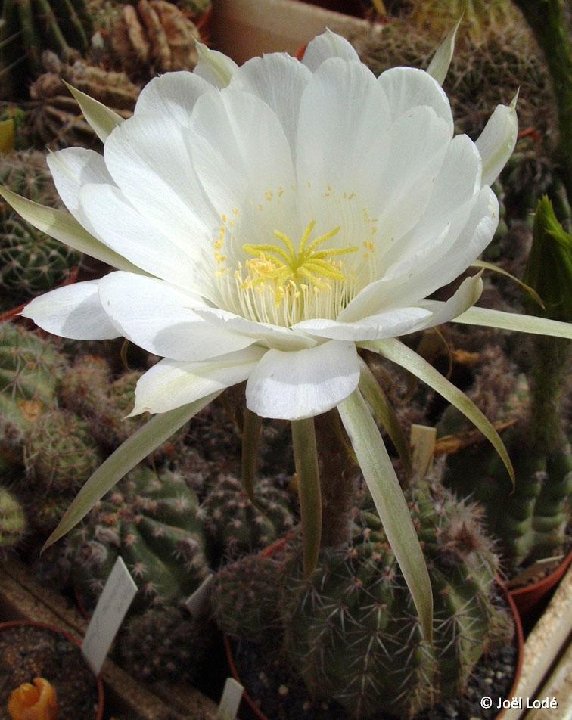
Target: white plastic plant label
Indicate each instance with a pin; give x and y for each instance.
(108, 615)
(230, 700)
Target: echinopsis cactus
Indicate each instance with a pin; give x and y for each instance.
(30, 369)
(30, 261)
(165, 643)
(352, 631)
(12, 520)
(235, 525)
(151, 520)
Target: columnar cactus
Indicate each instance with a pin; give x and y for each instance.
(352, 631)
(27, 28)
(234, 525)
(151, 520)
(12, 520)
(30, 261)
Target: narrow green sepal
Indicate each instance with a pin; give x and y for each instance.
(310, 494)
(385, 415)
(390, 503)
(124, 459)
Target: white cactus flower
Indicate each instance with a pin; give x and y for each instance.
(274, 216)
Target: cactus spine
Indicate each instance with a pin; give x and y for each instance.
(151, 520)
(352, 631)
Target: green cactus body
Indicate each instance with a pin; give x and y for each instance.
(165, 644)
(235, 525)
(12, 520)
(30, 369)
(152, 521)
(60, 453)
(352, 631)
(30, 261)
(28, 27)
(246, 598)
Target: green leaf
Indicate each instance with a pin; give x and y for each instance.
(400, 354)
(306, 462)
(512, 321)
(440, 62)
(101, 118)
(62, 226)
(390, 503)
(384, 414)
(124, 459)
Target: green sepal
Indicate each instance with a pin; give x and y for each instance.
(390, 503)
(125, 458)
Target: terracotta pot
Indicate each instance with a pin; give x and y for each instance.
(70, 638)
(530, 599)
(204, 23)
(519, 641)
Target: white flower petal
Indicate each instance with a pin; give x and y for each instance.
(407, 88)
(174, 94)
(297, 385)
(214, 67)
(148, 159)
(342, 134)
(272, 336)
(391, 323)
(279, 80)
(171, 384)
(497, 141)
(325, 46)
(238, 148)
(124, 230)
(71, 169)
(73, 311)
(466, 295)
(158, 317)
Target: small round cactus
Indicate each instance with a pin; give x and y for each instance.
(235, 525)
(245, 598)
(60, 453)
(12, 520)
(30, 261)
(165, 644)
(151, 520)
(352, 631)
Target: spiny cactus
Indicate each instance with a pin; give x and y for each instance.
(60, 453)
(30, 261)
(234, 525)
(12, 520)
(30, 369)
(27, 28)
(245, 598)
(151, 520)
(352, 631)
(89, 391)
(165, 644)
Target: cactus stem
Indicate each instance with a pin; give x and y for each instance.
(252, 424)
(306, 462)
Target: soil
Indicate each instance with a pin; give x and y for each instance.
(282, 696)
(27, 652)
